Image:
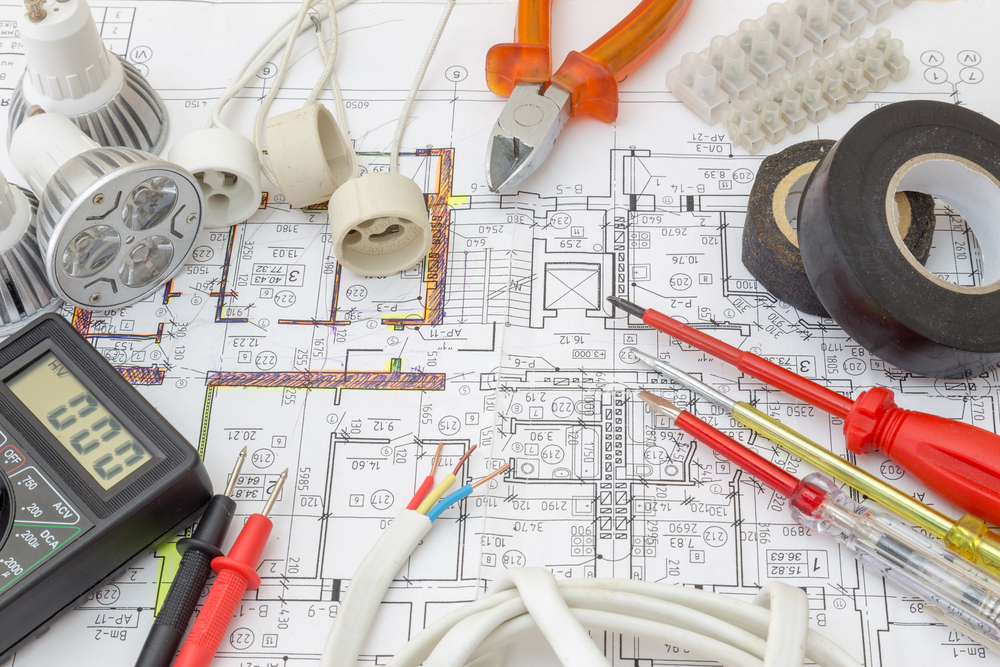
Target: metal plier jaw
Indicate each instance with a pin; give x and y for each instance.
(525, 133)
(587, 81)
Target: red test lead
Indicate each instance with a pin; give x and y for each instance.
(958, 461)
(237, 573)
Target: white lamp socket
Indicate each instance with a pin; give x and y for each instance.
(226, 165)
(310, 155)
(380, 224)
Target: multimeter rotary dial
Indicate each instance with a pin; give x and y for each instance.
(91, 477)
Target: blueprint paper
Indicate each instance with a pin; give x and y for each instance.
(503, 339)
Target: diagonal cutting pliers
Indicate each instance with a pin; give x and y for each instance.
(539, 106)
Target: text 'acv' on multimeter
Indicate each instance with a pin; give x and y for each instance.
(91, 477)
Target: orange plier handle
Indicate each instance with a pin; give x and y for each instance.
(591, 75)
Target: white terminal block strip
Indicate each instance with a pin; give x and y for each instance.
(819, 26)
(809, 94)
(785, 39)
(877, 10)
(850, 17)
(696, 83)
(227, 167)
(380, 224)
(786, 26)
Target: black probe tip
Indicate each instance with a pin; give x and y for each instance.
(627, 306)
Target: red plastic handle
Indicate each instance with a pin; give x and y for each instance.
(959, 462)
(529, 59)
(213, 620)
(236, 575)
(592, 76)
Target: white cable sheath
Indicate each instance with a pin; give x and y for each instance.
(786, 634)
(417, 650)
(494, 659)
(668, 613)
(369, 585)
(537, 588)
(714, 626)
(700, 647)
(464, 638)
(752, 618)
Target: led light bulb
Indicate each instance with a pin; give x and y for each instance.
(24, 291)
(69, 71)
(114, 223)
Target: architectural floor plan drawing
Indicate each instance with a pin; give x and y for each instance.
(502, 338)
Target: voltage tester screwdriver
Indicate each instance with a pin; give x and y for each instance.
(236, 574)
(196, 564)
(959, 462)
(960, 594)
(968, 536)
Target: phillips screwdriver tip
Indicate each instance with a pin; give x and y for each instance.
(627, 306)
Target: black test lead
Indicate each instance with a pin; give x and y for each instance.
(196, 564)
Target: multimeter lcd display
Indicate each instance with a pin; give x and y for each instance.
(78, 421)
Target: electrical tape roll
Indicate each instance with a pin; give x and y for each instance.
(771, 245)
(857, 264)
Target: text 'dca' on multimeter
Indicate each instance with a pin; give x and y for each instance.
(91, 477)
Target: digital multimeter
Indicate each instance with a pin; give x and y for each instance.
(91, 477)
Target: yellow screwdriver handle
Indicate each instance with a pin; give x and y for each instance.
(968, 537)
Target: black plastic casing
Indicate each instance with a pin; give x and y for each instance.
(161, 497)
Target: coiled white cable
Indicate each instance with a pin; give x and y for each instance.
(771, 632)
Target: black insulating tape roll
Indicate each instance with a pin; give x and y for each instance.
(881, 297)
(770, 245)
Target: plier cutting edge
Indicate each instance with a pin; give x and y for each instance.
(539, 106)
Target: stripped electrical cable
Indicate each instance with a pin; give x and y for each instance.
(445, 484)
(772, 631)
(428, 483)
(376, 572)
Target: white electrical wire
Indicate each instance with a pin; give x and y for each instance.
(261, 56)
(397, 137)
(284, 36)
(369, 585)
(771, 632)
(712, 626)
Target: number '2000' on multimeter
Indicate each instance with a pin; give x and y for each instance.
(91, 477)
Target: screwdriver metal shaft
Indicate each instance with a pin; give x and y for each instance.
(968, 536)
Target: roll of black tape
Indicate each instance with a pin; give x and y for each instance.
(771, 245)
(857, 264)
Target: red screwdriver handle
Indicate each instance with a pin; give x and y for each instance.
(959, 462)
